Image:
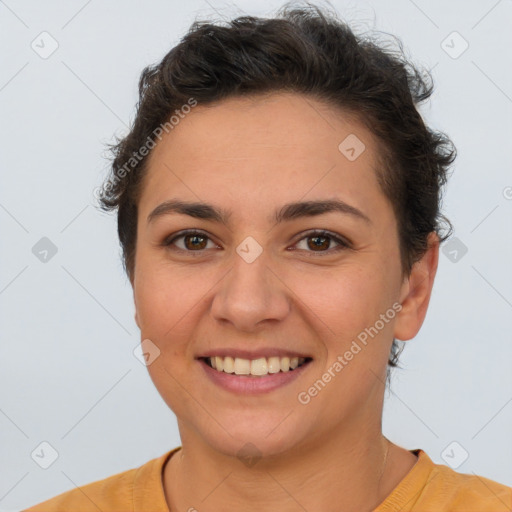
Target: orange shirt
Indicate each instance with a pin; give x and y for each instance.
(427, 487)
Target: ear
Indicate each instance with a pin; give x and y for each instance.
(136, 314)
(415, 292)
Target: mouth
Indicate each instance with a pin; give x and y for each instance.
(260, 367)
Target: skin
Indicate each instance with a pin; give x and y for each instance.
(251, 156)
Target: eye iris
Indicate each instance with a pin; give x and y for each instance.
(315, 245)
(195, 238)
(198, 241)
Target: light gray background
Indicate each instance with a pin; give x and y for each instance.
(68, 375)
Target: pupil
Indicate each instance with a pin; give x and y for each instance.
(317, 238)
(195, 238)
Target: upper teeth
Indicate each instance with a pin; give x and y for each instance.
(261, 366)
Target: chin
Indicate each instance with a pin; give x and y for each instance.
(253, 435)
(250, 446)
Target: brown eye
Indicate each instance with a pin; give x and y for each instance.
(320, 242)
(317, 242)
(193, 241)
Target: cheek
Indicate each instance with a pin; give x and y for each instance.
(165, 307)
(347, 306)
(343, 298)
(165, 304)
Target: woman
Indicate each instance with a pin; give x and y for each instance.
(278, 203)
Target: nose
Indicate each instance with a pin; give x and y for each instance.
(251, 295)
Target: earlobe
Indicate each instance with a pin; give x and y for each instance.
(416, 291)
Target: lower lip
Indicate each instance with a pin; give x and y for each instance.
(251, 385)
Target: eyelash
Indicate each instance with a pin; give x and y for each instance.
(342, 244)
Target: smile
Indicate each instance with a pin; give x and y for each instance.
(255, 367)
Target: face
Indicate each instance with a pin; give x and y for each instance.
(258, 281)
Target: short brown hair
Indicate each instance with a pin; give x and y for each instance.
(310, 51)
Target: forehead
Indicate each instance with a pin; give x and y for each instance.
(282, 121)
(277, 148)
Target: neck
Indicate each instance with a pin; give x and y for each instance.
(354, 472)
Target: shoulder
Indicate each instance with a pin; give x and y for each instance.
(117, 492)
(453, 491)
(112, 491)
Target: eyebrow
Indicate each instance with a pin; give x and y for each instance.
(288, 212)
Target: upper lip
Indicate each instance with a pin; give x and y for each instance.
(252, 354)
